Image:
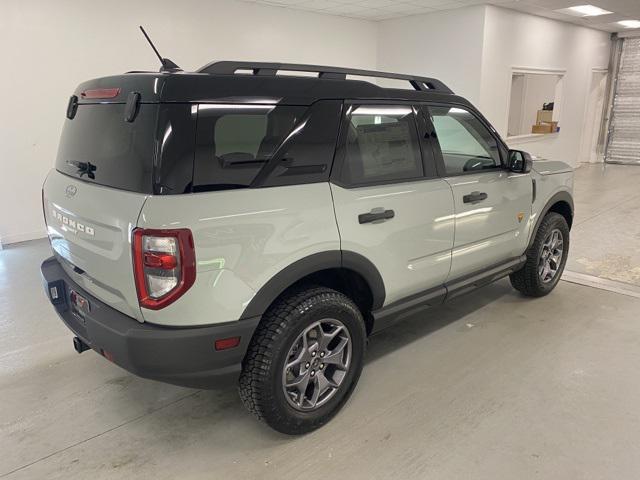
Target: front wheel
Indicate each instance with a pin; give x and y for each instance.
(304, 360)
(546, 258)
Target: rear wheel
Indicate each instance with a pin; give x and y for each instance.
(546, 258)
(304, 360)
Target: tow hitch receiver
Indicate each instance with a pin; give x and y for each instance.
(79, 345)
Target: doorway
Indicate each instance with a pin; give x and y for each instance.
(593, 118)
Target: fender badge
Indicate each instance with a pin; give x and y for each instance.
(520, 216)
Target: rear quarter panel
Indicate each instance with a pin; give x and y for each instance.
(242, 239)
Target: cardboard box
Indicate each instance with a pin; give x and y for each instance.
(544, 116)
(554, 126)
(541, 128)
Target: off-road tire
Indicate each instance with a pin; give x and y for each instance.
(527, 280)
(260, 385)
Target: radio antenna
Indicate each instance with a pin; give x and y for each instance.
(167, 65)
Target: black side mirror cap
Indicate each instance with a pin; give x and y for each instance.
(519, 161)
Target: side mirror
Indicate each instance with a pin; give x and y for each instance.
(519, 161)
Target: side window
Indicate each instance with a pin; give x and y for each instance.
(233, 142)
(239, 134)
(307, 155)
(381, 145)
(466, 144)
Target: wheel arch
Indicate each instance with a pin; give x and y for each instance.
(345, 271)
(561, 203)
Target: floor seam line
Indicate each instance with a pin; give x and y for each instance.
(600, 283)
(607, 210)
(3, 475)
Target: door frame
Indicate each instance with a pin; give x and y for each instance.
(597, 129)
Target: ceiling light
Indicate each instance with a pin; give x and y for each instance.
(630, 23)
(585, 11)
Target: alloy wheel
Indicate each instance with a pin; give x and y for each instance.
(550, 256)
(317, 364)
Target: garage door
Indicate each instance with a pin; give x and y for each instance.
(624, 132)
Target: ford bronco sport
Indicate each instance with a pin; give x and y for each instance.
(238, 221)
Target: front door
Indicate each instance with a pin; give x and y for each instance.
(492, 204)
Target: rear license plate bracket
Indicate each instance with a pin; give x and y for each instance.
(80, 306)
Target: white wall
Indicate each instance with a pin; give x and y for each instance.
(446, 45)
(51, 46)
(514, 39)
(48, 47)
(474, 50)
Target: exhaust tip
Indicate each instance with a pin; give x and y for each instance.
(79, 345)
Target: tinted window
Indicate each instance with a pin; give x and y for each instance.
(381, 145)
(307, 155)
(234, 142)
(175, 149)
(239, 133)
(98, 146)
(466, 144)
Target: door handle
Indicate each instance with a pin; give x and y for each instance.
(474, 197)
(376, 214)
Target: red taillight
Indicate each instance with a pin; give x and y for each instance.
(227, 343)
(164, 265)
(163, 261)
(101, 93)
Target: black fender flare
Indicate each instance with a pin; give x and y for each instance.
(312, 264)
(562, 196)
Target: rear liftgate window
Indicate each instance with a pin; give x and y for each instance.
(99, 146)
(264, 145)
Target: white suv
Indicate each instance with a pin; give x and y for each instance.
(257, 225)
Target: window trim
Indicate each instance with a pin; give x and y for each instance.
(503, 149)
(429, 167)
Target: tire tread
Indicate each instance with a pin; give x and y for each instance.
(255, 379)
(526, 279)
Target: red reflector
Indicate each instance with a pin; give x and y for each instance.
(108, 355)
(101, 93)
(227, 343)
(165, 261)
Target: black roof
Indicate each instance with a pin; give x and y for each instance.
(259, 82)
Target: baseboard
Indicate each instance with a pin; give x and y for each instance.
(21, 237)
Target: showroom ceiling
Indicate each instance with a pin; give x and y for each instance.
(385, 9)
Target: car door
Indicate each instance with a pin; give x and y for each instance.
(492, 204)
(390, 205)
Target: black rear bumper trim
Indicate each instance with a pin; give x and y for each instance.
(181, 356)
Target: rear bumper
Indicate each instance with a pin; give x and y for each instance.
(181, 356)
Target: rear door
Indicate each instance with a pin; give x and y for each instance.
(92, 200)
(492, 204)
(390, 206)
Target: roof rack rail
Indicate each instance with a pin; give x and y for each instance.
(335, 73)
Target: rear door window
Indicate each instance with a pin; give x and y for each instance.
(381, 145)
(234, 142)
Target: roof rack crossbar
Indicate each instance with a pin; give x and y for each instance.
(335, 73)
